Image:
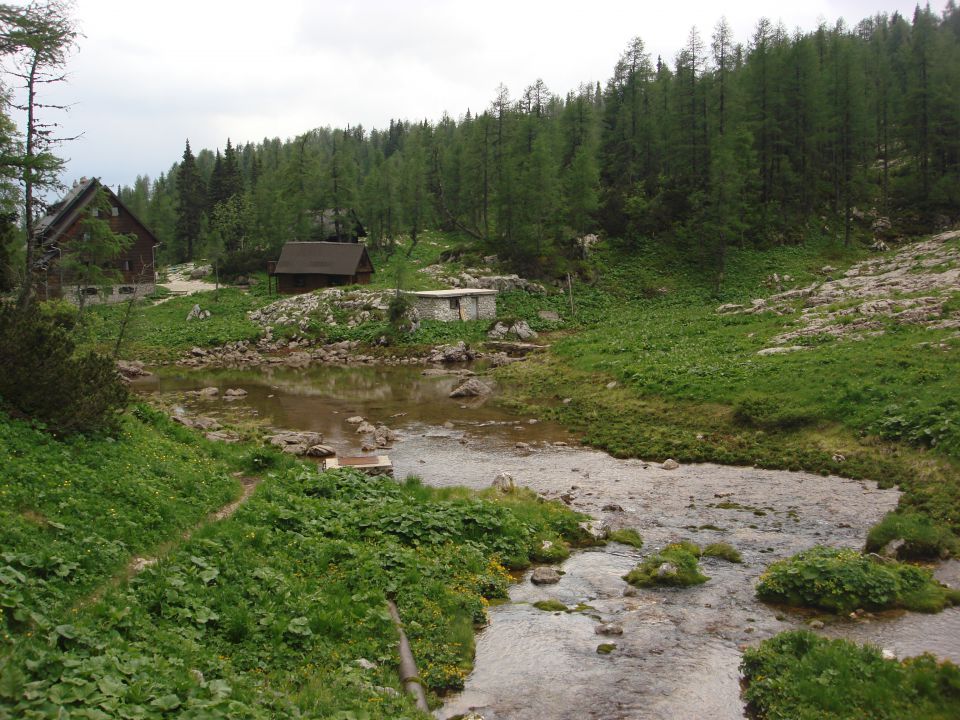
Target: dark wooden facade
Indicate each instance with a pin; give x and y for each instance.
(134, 267)
(306, 266)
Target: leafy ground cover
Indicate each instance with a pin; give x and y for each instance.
(800, 676)
(261, 615)
(72, 512)
(842, 580)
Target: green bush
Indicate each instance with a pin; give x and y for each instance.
(60, 312)
(922, 538)
(801, 676)
(683, 556)
(45, 381)
(841, 580)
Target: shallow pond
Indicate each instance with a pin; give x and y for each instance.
(680, 649)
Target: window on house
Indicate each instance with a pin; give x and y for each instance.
(454, 303)
(126, 290)
(90, 291)
(299, 281)
(115, 211)
(95, 212)
(126, 266)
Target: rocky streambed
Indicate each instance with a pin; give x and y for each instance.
(679, 649)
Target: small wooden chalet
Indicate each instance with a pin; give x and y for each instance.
(135, 267)
(306, 266)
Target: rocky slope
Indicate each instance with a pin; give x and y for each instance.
(912, 286)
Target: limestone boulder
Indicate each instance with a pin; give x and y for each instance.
(471, 388)
(544, 576)
(503, 482)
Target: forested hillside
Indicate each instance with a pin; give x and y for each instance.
(755, 142)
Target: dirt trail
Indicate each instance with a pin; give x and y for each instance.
(139, 563)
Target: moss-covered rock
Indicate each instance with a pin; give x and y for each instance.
(677, 565)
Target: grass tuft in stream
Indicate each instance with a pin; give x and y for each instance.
(724, 551)
(921, 537)
(627, 536)
(551, 606)
(842, 580)
(677, 565)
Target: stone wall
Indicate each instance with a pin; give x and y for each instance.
(116, 294)
(438, 308)
(488, 307)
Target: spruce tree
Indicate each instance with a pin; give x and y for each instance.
(190, 206)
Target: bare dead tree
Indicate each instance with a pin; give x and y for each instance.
(37, 39)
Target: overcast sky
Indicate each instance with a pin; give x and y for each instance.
(148, 75)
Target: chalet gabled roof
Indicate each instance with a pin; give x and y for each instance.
(322, 258)
(62, 214)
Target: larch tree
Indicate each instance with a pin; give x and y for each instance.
(38, 39)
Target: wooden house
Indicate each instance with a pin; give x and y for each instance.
(306, 266)
(134, 268)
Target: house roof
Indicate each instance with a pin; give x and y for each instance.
(321, 258)
(61, 214)
(455, 292)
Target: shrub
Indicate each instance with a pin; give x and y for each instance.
(922, 539)
(684, 567)
(800, 675)
(841, 580)
(397, 308)
(43, 380)
(60, 312)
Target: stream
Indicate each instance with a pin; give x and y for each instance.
(680, 648)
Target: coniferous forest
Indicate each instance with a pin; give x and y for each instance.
(733, 142)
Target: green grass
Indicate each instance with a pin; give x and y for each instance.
(683, 556)
(724, 551)
(162, 332)
(627, 536)
(922, 538)
(800, 676)
(550, 606)
(260, 615)
(842, 580)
